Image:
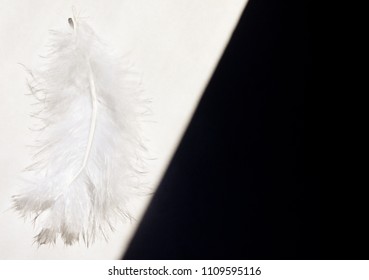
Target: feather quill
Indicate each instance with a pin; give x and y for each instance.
(89, 150)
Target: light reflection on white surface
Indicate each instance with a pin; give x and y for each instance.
(175, 43)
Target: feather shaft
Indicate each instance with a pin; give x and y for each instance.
(92, 123)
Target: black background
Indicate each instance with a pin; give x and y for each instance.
(239, 185)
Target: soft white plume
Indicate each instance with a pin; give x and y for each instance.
(89, 151)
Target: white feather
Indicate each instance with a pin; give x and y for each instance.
(89, 153)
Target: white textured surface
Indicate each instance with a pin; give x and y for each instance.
(175, 43)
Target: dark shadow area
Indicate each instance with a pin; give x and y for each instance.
(237, 187)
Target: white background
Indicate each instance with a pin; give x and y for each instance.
(175, 43)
